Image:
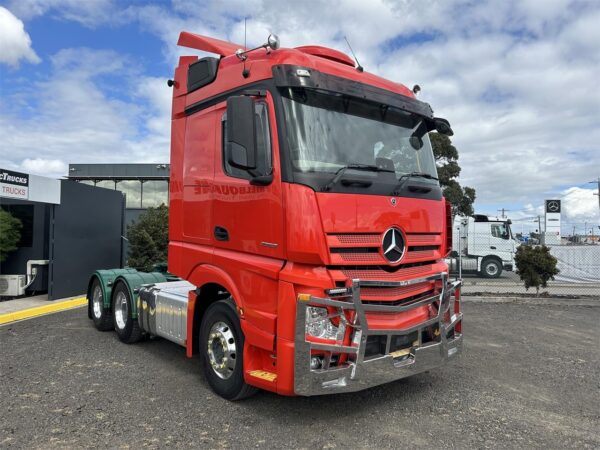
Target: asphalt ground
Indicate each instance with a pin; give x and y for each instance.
(529, 377)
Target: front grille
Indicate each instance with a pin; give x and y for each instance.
(357, 238)
(360, 257)
(388, 294)
(378, 274)
(365, 248)
(401, 301)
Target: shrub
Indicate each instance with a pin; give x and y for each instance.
(535, 266)
(149, 239)
(10, 234)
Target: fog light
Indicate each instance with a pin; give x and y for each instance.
(315, 363)
(318, 324)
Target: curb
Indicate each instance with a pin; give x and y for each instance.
(38, 311)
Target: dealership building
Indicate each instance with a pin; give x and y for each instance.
(144, 185)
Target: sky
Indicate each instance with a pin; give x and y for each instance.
(85, 82)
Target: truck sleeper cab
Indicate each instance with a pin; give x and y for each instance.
(483, 245)
(307, 222)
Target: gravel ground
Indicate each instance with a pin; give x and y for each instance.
(529, 377)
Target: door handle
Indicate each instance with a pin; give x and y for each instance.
(221, 234)
(493, 247)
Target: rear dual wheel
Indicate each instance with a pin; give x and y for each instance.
(102, 318)
(126, 327)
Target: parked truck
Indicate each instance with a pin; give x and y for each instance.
(307, 227)
(483, 245)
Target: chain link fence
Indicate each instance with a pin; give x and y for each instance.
(485, 262)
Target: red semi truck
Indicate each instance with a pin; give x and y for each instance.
(307, 227)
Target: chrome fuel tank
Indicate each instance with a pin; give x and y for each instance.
(162, 310)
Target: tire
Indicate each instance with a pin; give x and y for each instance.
(126, 327)
(223, 364)
(102, 317)
(491, 268)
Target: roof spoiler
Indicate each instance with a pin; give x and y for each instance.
(207, 44)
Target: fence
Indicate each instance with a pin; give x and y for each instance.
(485, 261)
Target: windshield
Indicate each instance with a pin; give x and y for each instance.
(327, 132)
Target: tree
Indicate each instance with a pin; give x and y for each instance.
(149, 239)
(446, 159)
(10, 234)
(535, 266)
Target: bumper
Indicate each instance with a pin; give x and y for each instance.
(507, 266)
(359, 372)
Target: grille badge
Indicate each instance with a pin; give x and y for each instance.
(393, 245)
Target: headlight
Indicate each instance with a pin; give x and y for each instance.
(318, 324)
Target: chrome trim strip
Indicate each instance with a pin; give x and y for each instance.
(375, 283)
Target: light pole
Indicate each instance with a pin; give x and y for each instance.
(597, 193)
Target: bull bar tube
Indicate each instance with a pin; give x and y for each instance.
(361, 373)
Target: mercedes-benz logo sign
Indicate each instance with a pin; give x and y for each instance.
(393, 245)
(553, 206)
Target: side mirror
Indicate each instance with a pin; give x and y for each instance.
(442, 126)
(240, 148)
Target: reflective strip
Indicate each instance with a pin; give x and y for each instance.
(263, 375)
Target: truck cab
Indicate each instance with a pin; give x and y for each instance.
(484, 245)
(308, 221)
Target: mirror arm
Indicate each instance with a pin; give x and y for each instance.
(260, 180)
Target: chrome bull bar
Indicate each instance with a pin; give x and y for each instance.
(357, 372)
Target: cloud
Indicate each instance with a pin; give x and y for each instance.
(89, 13)
(517, 80)
(44, 166)
(14, 40)
(81, 114)
(580, 204)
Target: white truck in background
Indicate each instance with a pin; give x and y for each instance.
(483, 245)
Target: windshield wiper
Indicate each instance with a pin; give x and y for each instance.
(340, 173)
(407, 176)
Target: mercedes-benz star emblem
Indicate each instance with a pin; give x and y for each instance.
(553, 206)
(393, 245)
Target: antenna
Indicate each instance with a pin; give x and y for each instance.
(358, 66)
(245, 72)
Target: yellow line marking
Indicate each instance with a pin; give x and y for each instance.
(263, 375)
(42, 310)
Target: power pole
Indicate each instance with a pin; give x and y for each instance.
(597, 193)
(503, 209)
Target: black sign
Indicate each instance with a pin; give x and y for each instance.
(15, 178)
(553, 206)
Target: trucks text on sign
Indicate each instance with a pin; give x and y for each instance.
(14, 184)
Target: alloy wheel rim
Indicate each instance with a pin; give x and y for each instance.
(97, 302)
(222, 350)
(492, 269)
(121, 310)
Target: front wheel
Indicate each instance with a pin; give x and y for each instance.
(126, 327)
(491, 268)
(222, 351)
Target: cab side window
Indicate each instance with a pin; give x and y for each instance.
(263, 144)
(499, 231)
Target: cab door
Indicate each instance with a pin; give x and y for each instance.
(500, 242)
(246, 218)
